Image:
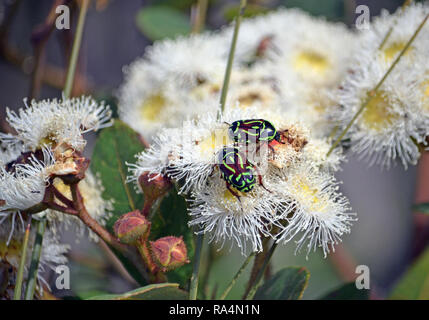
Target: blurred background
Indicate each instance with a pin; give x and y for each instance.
(117, 32)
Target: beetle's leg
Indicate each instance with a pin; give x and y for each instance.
(269, 146)
(260, 179)
(277, 138)
(233, 192)
(273, 151)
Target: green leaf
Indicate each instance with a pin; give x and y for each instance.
(331, 9)
(159, 22)
(160, 291)
(415, 284)
(422, 207)
(347, 292)
(172, 220)
(287, 284)
(115, 146)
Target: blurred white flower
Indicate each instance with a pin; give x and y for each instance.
(394, 122)
(189, 60)
(402, 24)
(148, 102)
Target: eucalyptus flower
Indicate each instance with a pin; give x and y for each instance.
(320, 215)
(22, 186)
(190, 156)
(55, 122)
(393, 122)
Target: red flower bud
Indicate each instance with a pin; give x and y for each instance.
(169, 253)
(154, 186)
(131, 227)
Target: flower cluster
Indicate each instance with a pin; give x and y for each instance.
(292, 192)
(286, 66)
(393, 125)
(39, 162)
(287, 59)
(317, 72)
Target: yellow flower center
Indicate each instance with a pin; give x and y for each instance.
(229, 200)
(311, 62)
(394, 49)
(307, 194)
(152, 107)
(249, 99)
(376, 115)
(214, 141)
(229, 197)
(205, 90)
(48, 140)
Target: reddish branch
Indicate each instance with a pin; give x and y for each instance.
(77, 208)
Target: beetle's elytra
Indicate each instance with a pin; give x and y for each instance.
(253, 131)
(236, 170)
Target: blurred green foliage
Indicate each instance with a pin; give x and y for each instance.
(414, 285)
(331, 9)
(159, 22)
(287, 284)
(422, 207)
(347, 292)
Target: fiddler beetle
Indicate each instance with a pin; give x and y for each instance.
(254, 131)
(237, 171)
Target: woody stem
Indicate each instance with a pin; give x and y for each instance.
(83, 215)
(128, 252)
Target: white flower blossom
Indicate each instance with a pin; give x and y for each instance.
(393, 122)
(220, 214)
(55, 121)
(22, 186)
(320, 214)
